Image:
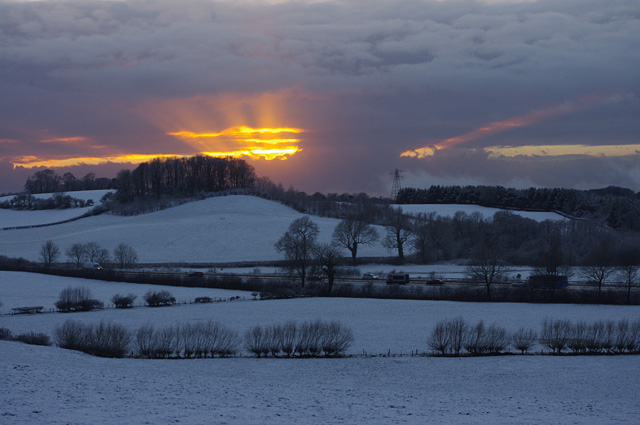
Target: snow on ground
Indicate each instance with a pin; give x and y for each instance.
(38, 388)
(45, 385)
(85, 195)
(378, 325)
(12, 218)
(448, 210)
(30, 289)
(446, 271)
(219, 229)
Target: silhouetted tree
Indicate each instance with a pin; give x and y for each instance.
(486, 265)
(353, 232)
(49, 253)
(76, 253)
(124, 255)
(297, 245)
(398, 229)
(328, 257)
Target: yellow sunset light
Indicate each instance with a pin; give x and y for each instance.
(256, 153)
(419, 153)
(32, 161)
(558, 150)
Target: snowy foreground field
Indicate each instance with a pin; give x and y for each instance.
(44, 385)
(48, 385)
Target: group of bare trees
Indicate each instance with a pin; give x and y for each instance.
(123, 255)
(183, 177)
(301, 249)
(47, 181)
(451, 337)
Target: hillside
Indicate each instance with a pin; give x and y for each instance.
(219, 229)
(18, 218)
(449, 210)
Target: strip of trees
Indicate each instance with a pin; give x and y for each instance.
(183, 177)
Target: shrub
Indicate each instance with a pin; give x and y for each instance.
(159, 298)
(497, 339)
(474, 340)
(555, 334)
(107, 340)
(70, 335)
(457, 328)
(255, 341)
(523, 339)
(5, 334)
(104, 339)
(77, 299)
(34, 338)
(336, 339)
(123, 301)
(440, 339)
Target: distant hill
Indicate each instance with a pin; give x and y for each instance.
(616, 207)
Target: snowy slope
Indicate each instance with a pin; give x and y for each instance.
(37, 388)
(11, 218)
(448, 210)
(378, 325)
(230, 228)
(45, 385)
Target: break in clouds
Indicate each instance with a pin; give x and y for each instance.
(365, 81)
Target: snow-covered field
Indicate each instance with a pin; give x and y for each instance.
(220, 229)
(449, 210)
(43, 385)
(48, 385)
(11, 218)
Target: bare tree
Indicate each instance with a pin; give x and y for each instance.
(297, 245)
(398, 231)
(328, 257)
(486, 266)
(49, 253)
(599, 264)
(353, 232)
(124, 255)
(629, 268)
(76, 253)
(96, 254)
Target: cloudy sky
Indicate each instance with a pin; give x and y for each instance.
(327, 96)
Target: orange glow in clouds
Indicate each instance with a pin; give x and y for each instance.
(231, 124)
(508, 124)
(32, 161)
(238, 145)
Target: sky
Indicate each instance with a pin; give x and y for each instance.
(328, 96)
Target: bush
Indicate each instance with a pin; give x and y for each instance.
(77, 299)
(34, 338)
(523, 339)
(440, 340)
(159, 298)
(70, 335)
(555, 334)
(107, 340)
(310, 339)
(104, 339)
(123, 301)
(5, 334)
(191, 340)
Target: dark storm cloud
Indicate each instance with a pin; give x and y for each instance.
(383, 77)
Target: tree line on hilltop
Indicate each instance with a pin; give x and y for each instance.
(618, 208)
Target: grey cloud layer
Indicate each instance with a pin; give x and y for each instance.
(413, 70)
